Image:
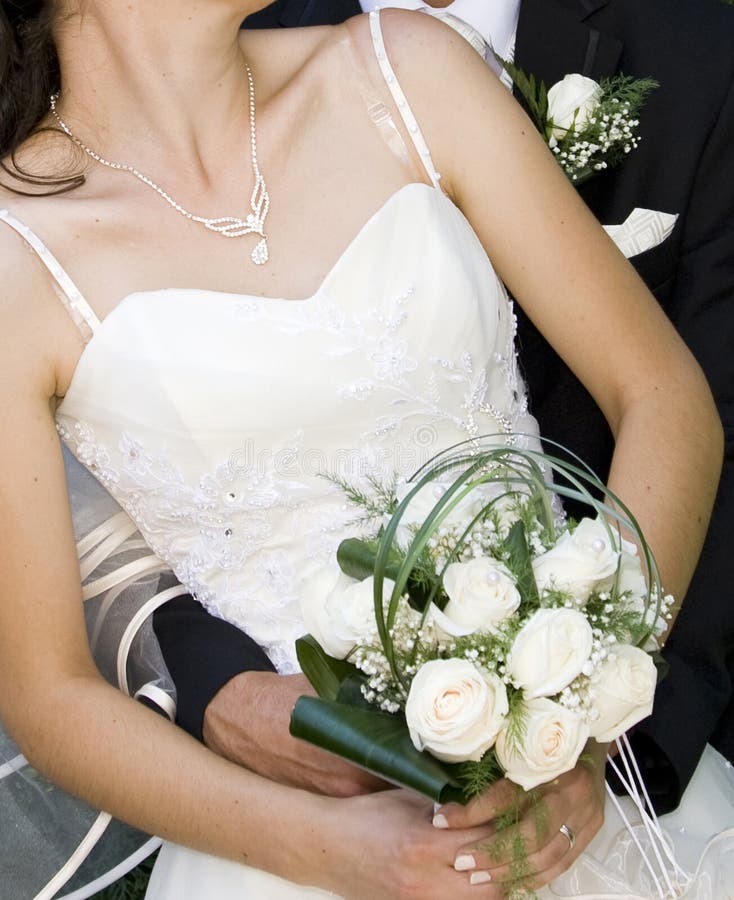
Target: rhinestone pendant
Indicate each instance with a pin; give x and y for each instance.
(260, 254)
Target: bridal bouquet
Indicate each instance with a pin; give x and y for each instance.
(474, 633)
(589, 126)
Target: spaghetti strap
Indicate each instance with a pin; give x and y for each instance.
(411, 123)
(80, 311)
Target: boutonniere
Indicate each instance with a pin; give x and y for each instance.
(589, 126)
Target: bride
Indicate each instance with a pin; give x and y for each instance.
(276, 262)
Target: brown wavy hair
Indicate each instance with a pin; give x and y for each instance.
(29, 74)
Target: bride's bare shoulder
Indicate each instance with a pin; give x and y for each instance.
(19, 276)
(288, 54)
(38, 336)
(288, 50)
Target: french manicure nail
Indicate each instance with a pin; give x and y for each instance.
(464, 862)
(479, 878)
(440, 821)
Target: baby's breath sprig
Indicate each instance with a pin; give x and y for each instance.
(620, 620)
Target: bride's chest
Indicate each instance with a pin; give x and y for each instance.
(405, 314)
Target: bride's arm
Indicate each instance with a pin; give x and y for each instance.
(68, 722)
(575, 285)
(110, 750)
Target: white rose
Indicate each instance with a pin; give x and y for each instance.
(580, 561)
(624, 691)
(553, 741)
(339, 611)
(423, 504)
(631, 578)
(454, 710)
(481, 595)
(571, 103)
(507, 511)
(631, 581)
(550, 650)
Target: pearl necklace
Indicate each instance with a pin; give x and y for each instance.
(227, 226)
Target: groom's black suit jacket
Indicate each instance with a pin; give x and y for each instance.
(684, 165)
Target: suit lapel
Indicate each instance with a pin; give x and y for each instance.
(555, 37)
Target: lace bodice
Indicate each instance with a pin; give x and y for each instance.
(213, 418)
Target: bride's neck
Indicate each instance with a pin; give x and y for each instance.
(145, 81)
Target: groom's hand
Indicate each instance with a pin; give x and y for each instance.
(247, 722)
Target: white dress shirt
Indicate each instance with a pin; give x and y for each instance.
(495, 20)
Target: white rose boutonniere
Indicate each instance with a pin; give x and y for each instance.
(554, 739)
(589, 126)
(455, 710)
(550, 650)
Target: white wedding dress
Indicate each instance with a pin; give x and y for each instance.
(211, 418)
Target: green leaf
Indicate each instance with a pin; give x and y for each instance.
(520, 563)
(375, 741)
(350, 692)
(542, 102)
(325, 673)
(356, 558)
(534, 93)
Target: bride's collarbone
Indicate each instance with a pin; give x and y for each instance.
(136, 243)
(116, 236)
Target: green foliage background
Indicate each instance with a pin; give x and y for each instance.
(133, 886)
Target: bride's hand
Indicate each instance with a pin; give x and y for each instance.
(385, 847)
(574, 800)
(247, 722)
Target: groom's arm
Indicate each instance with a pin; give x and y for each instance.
(230, 697)
(202, 653)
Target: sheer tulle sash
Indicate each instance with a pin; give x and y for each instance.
(53, 842)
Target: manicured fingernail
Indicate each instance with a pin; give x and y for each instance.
(464, 862)
(479, 878)
(440, 821)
